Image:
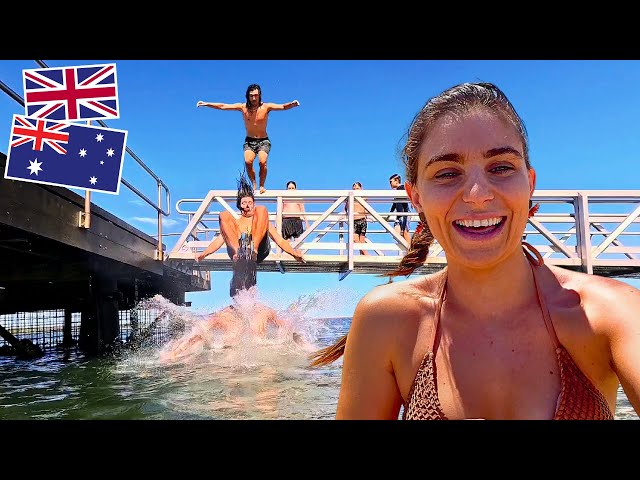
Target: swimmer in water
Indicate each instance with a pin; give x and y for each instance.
(230, 323)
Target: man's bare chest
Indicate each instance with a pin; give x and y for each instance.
(255, 117)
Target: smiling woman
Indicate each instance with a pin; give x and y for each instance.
(497, 334)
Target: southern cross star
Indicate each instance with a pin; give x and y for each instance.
(34, 167)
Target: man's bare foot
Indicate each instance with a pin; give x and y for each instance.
(255, 186)
(262, 189)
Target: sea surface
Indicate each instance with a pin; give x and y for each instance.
(252, 377)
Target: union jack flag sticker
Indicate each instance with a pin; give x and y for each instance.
(87, 92)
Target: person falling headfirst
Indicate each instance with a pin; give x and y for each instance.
(247, 238)
(255, 114)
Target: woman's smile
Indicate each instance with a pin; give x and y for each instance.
(480, 229)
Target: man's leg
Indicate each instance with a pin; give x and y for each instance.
(262, 160)
(398, 228)
(361, 239)
(259, 226)
(360, 230)
(249, 157)
(404, 226)
(231, 233)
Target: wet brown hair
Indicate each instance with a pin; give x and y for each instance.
(245, 189)
(457, 101)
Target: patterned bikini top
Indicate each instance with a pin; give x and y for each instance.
(579, 399)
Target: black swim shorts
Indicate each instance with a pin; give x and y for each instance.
(264, 249)
(257, 144)
(291, 227)
(360, 226)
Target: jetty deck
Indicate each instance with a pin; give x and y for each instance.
(595, 231)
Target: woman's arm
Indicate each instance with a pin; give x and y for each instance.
(619, 307)
(369, 389)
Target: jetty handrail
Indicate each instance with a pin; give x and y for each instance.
(159, 183)
(576, 229)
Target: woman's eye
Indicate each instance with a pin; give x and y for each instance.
(502, 169)
(446, 175)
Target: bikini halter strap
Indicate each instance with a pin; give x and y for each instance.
(536, 263)
(441, 298)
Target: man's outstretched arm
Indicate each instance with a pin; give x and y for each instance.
(283, 106)
(213, 246)
(220, 106)
(284, 245)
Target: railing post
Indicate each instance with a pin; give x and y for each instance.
(279, 208)
(159, 252)
(583, 232)
(84, 219)
(351, 231)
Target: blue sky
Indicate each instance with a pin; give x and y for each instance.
(582, 119)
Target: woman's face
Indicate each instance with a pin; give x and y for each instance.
(474, 187)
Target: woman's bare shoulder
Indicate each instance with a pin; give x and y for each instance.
(399, 300)
(603, 299)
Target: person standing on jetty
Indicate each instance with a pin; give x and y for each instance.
(497, 333)
(292, 226)
(255, 114)
(400, 222)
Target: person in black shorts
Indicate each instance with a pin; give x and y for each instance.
(400, 222)
(359, 220)
(292, 226)
(242, 234)
(255, 114)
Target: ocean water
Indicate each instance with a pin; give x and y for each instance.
(232, 376)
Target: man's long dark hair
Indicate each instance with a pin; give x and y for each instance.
(253, 86)
(245, 189)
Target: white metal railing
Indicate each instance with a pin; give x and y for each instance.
(577, 229)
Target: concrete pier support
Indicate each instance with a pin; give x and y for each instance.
(99, 324)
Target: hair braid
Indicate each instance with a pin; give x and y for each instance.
(418, 251)
(329, 354)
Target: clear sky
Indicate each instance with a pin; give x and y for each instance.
(581, 116)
